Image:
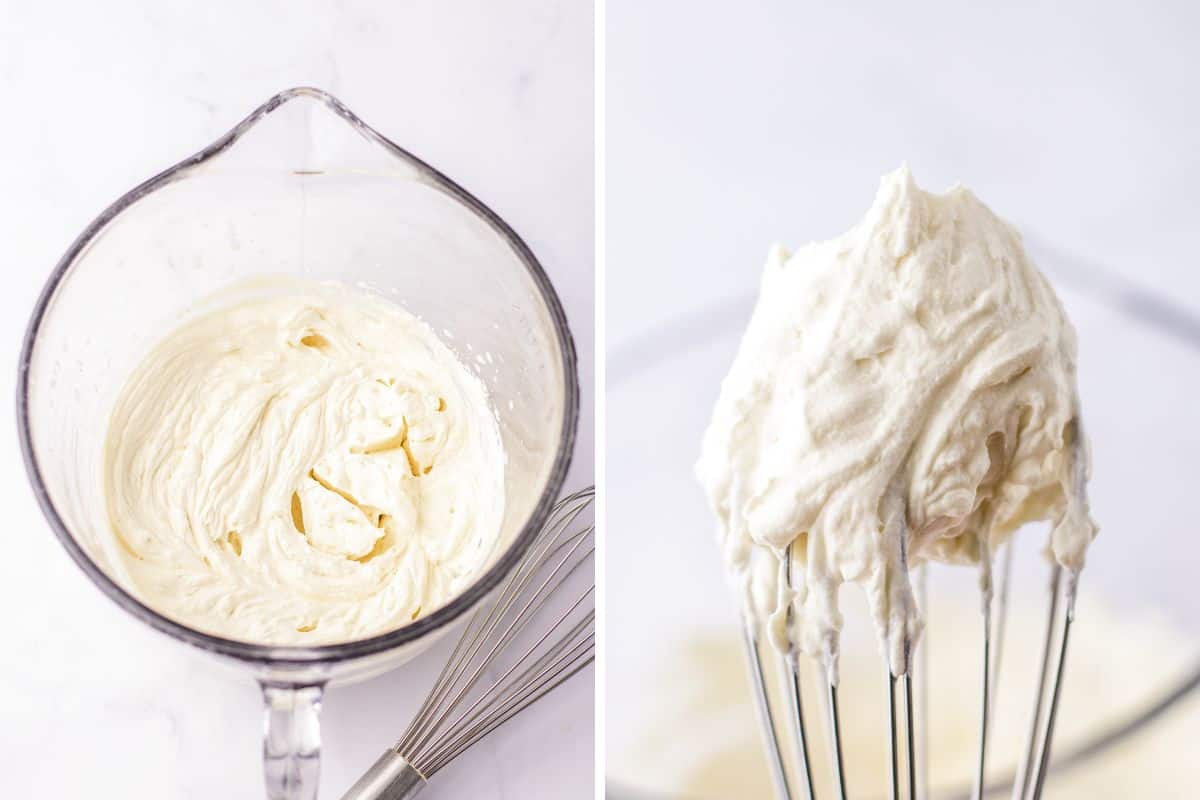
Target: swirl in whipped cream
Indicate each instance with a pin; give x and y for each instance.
(302, 468)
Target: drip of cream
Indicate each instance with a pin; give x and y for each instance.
(302, 468)
(905, 392)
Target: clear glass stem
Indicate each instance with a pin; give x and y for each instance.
(292, 740)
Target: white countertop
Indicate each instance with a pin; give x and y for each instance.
(102, 96)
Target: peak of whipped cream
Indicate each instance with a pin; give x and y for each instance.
(903, 393)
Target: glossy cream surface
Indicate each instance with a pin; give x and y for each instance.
(302, 466)
(904, 392)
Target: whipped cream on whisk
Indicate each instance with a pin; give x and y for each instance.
(307, 466)
(905, 392)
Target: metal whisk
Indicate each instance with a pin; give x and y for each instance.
(538, 631)
(1029, 780)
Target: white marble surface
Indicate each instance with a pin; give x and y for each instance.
(98, 96)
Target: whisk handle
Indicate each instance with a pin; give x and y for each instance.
(389, 778)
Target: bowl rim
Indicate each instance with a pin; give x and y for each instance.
(287, 655)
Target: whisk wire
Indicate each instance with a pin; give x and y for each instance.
(1000, 619)
(581, 663)
(895, 759)
(513, 697)
(481, 625)
(521, 579)
(985, 702)
(899, 692)
(467, 716)
(1025, 773)
(766, 717)
(906, 677)
(792, 670)
(580, 631)
(1029, 781)
(835, 733)
(921, 757)
(1052, 714)
(908, 722)
(461, 708)
(801, 733)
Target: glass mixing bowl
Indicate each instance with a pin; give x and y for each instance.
(300, 188)
(680, 715)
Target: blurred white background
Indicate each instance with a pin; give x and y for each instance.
(99, 96)
(732, 126)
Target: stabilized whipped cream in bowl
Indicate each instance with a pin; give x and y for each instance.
(302, 466)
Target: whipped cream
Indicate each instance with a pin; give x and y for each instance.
(905, 392)
(302, 468)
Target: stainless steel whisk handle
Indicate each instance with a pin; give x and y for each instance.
(391, 777)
